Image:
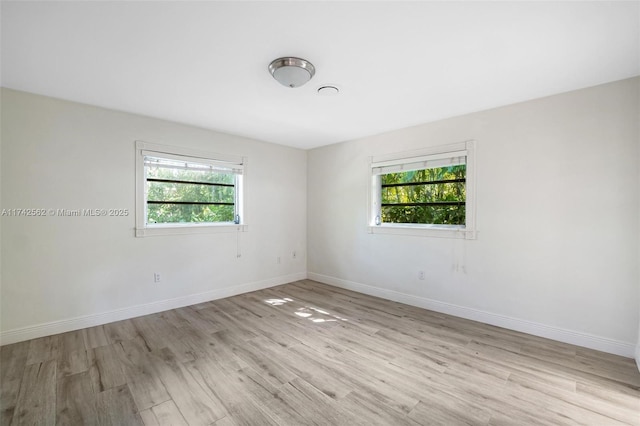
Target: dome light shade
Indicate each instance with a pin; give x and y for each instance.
(291, 72)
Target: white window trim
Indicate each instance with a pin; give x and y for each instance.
(467, 231)
(144, 230)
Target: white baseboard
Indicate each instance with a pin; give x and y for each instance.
(70, 324)
(638, 356)
(554, 333)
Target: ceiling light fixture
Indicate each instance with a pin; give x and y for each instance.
(292, 72)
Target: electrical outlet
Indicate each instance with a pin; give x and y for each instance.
(156, 277)
(421, 275)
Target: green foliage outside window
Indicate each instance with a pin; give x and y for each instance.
(425, 193)
(189, 192)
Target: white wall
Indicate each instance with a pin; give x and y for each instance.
(60, 273)
(557, 214)
(1, 93)
(637, 354)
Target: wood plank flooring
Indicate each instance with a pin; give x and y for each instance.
(310, 354)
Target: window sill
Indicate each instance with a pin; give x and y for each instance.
(437, 231)
(176, 229)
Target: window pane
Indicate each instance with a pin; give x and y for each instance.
(185, 213)
(170, 191)
(198, 175)
(402, 194)
(172, 184)
(424, 193)
(436, 215)
(425, 175)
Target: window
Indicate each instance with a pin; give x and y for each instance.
(426, 192)
(185, 191)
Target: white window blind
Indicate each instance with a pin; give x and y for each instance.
(170, 161)
(419, 163)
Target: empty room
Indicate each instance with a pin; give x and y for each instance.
(320, 213)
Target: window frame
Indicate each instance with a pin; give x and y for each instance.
(143, 229)
(466, 231)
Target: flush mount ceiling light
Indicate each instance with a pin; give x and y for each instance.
(292, 72)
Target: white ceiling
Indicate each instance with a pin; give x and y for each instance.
(397, 64)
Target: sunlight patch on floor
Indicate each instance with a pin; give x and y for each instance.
(318, 315)
(309, 312)
(278, 302)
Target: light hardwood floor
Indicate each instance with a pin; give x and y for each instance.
(307, 353)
